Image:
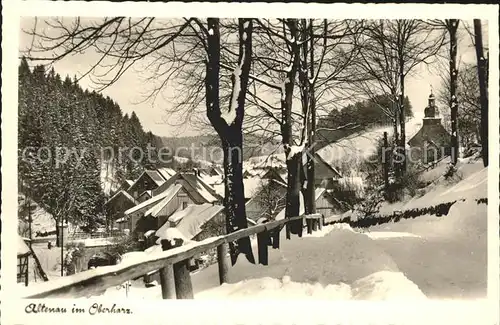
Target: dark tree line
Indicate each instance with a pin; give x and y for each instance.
(65, 135)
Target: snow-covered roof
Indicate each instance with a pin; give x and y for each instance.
(219, 189)
(129, 182)
(169, 195)
(211, 180)
(120, 220)
(124, 193)
(318, 193)
(207, 192)
(22, 247)
(147, 192)
(191, 219)
(166, 173)
(149, 233)
(251, 185)
(147, 203)
(155, 176)
(327, 164)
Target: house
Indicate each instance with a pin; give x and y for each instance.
(150, 180)
(214, 171)
(276, 173)
(23, 253)
(325, 204)
(432, 141)
(194, 184)
(146, 195)
(117, 205)
(324, 173)
(194, 223)
(267, 202)
(176, 194)
(29, 268)
(137, 212)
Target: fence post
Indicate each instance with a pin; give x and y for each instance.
(182, 278)
(167, 276)
(314, 223)
(309, 226)
(222, 251)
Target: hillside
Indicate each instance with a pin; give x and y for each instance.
(208, 148)
(77, 145)
(353, 149)
(349, 151)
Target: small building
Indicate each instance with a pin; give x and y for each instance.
(325, 204)
(29, 268)
(324, 173)
(195, 223)
(146, 195)
(176, 194)
(150, 180)
(116, 206)
(432, 141)
(23, 254)
(194, 184)
(268, 201)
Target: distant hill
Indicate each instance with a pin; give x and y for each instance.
(208, 147)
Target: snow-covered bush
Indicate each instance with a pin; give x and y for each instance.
(122, 245)
(450, 172)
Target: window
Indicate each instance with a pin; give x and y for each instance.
(184, 205)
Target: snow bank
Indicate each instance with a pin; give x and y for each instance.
(465, 219)
(386, 285)
(389, 234)
(473, 185)
(329, 228)
(270, 288)
(379, 286)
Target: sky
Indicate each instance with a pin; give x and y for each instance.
(129, 89)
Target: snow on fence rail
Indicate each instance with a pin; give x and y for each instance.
(173, 264)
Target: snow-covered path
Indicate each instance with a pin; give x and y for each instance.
(449, 258)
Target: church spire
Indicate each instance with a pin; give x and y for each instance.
(430, 110)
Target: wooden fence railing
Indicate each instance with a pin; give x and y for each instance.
(175, 278)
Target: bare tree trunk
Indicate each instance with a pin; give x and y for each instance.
(311, 137)
(402, 117)
(230, 131)
(396, 138)
(482, 64)
(385, 165)
(452, 29)
(293, 184)
(304, 91)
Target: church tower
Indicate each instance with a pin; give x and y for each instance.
(432, 141)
